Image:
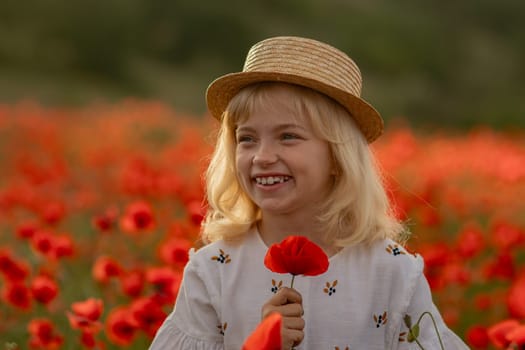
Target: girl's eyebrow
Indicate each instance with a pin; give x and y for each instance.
(280, 127)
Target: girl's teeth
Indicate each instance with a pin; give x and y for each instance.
(271, 180)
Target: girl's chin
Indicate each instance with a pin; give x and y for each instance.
(274, 208)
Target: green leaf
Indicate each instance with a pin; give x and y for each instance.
(413, 334)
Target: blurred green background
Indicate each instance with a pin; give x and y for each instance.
(452, 64)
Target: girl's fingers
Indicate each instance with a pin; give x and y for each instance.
(291, 310)
(286, 296)
(287, 302)
(296, 323)
(288, 310)
(291, 338)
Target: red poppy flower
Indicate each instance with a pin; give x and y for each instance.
(132, 282)
(296, 255)
(506, 236)
(44, 289)
(26, 230)
(138, 218)
(63, 246)
(267, 335)
(517, 335)
(175, 251)
(42, 242)
(106, 221)
(502, 267)
(43, 335)
(88, 340)
(12, 268)
(18, 295)
(91, 308)
(120, 327)
(105, 268)
(477, 337)
(53, 212)
(516, 298)
(166, 283)
(85, 315)
(196, 212)
(498, 332)
(470, 241)
(148, 315)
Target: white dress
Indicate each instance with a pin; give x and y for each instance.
(359, 303)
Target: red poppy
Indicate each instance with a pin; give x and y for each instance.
(88, 340)
(506, 236)
(43, 335)
(517, 335)
(166, 283)
(12, 268)
(138, 218)
(132, 282)
(175, 251)
(42, 242)
(477, 337)
(53, 212)
(267, 335)
(120, 327)
(498, 332)
(436, 255)
(26, 230)
(296, 255)
(196, 212)
(85, 315)
(18, 295)
(106, 221)
(105, 268)
(148, 315)
(63, 246)
(516, 298)
(44, 289)
(502, 267)
(470, 241)
(91, 308)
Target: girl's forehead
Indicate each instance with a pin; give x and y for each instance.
(275, 101)
(275, 114)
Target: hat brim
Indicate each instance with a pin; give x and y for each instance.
(223, 89)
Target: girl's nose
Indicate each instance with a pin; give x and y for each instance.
(265, 155)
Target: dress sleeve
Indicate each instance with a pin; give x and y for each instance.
(193, 323)
(421, 305)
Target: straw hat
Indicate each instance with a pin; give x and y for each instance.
(304, 62)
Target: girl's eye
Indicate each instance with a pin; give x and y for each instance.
(288, 136)
(244, 138)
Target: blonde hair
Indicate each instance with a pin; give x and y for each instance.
(357, 209)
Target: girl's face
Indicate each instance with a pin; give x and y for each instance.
(281, 165)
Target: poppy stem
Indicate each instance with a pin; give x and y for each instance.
(293, 278)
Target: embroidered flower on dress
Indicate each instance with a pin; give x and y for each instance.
(395, 249)
(223, 258)
(276, 286)
(222, 328)
(380, 320)
(330, 288)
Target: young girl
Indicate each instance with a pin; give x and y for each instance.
(292, 158)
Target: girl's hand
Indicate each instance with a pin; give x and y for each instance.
(287, 302)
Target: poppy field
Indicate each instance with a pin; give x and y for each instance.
(99, 206)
